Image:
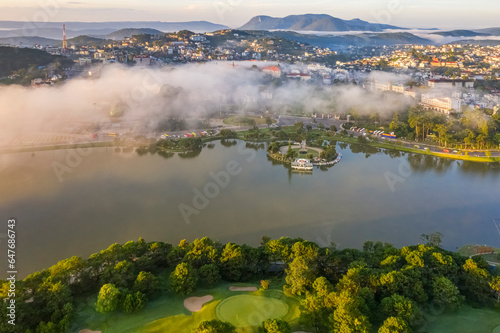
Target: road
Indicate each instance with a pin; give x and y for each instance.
(432, 148)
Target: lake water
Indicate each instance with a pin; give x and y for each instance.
(69, 202)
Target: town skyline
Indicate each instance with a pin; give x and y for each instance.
(235, 13)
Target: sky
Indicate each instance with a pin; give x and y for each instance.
(441, 14)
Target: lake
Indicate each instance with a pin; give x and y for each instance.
(78, 202)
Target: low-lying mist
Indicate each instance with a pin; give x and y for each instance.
(148, 96)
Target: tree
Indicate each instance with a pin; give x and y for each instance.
(147, 283)
(446, 293)
(333, 128)
(209, 275)
(299, 276)
(227, 133)
(202, 251)
(134, 302)
(394, 325)
(495, 285)
(433, 239)
(401, 307)
(348, 317)
(309, 127)
(108, 298)
(321, 126)
(183, 279)
(128, 304)
(232, 262)
(322, 287)
(269, 121)
(265, 284)
(214, 326)
(273, 147)
(275, 326)
(120, 275)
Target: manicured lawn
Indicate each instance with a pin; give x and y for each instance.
(493, 257)
(250, 310)
(466, 320)
(168, 314)
(309, 151)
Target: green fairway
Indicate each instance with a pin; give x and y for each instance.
(168, 314)
(467, 320)
(250, 310)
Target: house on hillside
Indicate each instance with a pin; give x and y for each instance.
(275, 71)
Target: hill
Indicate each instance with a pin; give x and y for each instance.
(87, 40)
(13, 58)
(29, 41)
(312, 22)
(122, 33)
(481, 42)
(54, 33)
(79, 27)
(459, 33)
(491, 31)
(363, 39)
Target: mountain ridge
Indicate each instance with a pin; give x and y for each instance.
(195, 26)
(312, 22)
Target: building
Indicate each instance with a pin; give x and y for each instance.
(301, 76)
(444, 105)
(399, 88)
(142, 60)
(273, 70)
(448, 83)
(198, 38)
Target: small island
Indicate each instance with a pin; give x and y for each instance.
(302, 157)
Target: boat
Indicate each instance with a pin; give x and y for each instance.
(302, 164)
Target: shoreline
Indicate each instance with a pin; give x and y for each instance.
(336, 137)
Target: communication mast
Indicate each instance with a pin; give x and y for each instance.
(65, 42)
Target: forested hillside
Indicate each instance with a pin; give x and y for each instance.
(377, 289)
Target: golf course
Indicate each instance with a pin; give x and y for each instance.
(246, 310)
(466, 320)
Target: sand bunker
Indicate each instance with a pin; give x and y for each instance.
(233, 288)
(89, 331)
(194, 304)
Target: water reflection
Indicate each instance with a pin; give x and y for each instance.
(190, 154)
(255, 146)
(228, 143)
(115, 197)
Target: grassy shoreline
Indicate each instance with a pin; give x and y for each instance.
(385, 145)
(324, 135)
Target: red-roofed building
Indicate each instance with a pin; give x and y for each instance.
(273, 70)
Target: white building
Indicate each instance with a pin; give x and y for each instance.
(444, 105)
(447, 83)
(198, 38)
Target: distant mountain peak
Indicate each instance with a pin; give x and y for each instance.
(312, 22)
